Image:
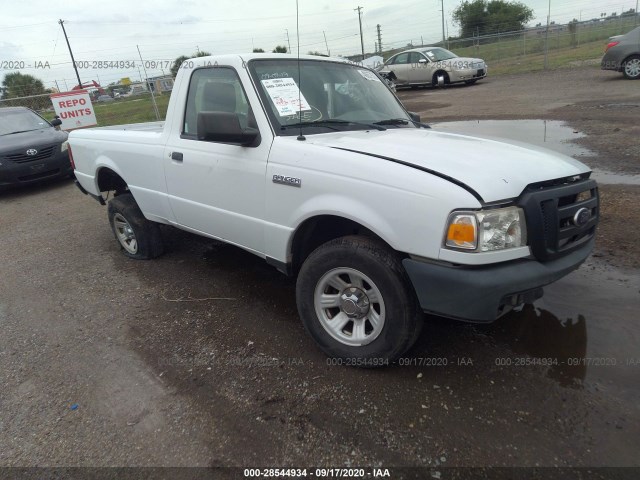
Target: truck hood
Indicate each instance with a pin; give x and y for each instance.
(495, 169)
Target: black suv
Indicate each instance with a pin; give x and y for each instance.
(31, 148)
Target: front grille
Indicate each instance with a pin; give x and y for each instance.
(553, 212)
(480, 73)
(43, 153)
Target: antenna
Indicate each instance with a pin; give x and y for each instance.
(300, 137)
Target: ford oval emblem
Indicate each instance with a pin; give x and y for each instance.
(32, 151)
(581, 217)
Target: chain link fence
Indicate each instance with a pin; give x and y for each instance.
(135, 108)
(575, 43)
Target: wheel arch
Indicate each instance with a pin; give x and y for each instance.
(319, 229)
(107, 179)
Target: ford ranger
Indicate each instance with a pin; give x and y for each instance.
(314, 165)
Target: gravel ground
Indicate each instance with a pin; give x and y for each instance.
(199, 359)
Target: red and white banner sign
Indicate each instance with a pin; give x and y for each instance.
(74, 109)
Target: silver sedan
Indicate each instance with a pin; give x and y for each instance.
(432, 66)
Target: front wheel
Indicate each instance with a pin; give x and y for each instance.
(138, 237)
(357, 302)
(631, 68)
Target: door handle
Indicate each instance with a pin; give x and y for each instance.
(177, 156)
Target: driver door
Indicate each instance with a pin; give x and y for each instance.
(217, 188)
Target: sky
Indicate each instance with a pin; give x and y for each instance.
(31, 38)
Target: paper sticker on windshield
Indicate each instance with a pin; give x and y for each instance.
(286, 96)
(369, 75)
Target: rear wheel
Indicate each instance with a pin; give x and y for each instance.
(631, 67)
(357, 303)
(138, 237)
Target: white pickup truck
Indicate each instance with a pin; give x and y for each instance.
(314, 165)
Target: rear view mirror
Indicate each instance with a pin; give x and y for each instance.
(225, 127)
(56, 122)
(414, 116)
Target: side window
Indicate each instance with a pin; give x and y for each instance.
(216, 89)
(401, 59)
(414, 57)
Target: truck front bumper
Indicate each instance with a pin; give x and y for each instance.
(482, 294)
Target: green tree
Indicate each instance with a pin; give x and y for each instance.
(280, 49)
(491, 16)
(176, 64)
(573, 29)
(17, 84)
(258, 50)
(178, 61)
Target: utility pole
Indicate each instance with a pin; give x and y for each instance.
(326, 44)
(546, 40)
(635, 22)
(443, 38)
(359, 10)
(75, 67)
(150, 87)
(288, 42)
(379, 38)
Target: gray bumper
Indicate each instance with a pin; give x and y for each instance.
(482, 294)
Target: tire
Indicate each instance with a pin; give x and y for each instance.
(371, 315)
(434, 79)
(138, 237)
(631, 67)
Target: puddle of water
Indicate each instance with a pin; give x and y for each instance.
(587, 321)
(604, 177)
(552, 134)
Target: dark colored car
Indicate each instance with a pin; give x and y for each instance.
(623, 54)
(31, 148)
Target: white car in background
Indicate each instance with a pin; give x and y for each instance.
(433, 66)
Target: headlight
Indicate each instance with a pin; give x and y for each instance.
(487, 230)
(64, 146)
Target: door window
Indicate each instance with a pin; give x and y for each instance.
(401, 59)
(215, 90)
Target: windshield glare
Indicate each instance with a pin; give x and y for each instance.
(19, 121)
(439, 54)
(329, 91)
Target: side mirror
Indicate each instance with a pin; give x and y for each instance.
(225, 127)
(414, 116)
(56, 122)
(422, 60)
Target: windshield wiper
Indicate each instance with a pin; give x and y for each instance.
(401, 121)
(330, 122)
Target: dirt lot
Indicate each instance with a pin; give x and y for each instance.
(199, 359)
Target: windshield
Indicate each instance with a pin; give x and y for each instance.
(439, 54)
(14, 121)
(331, 96)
